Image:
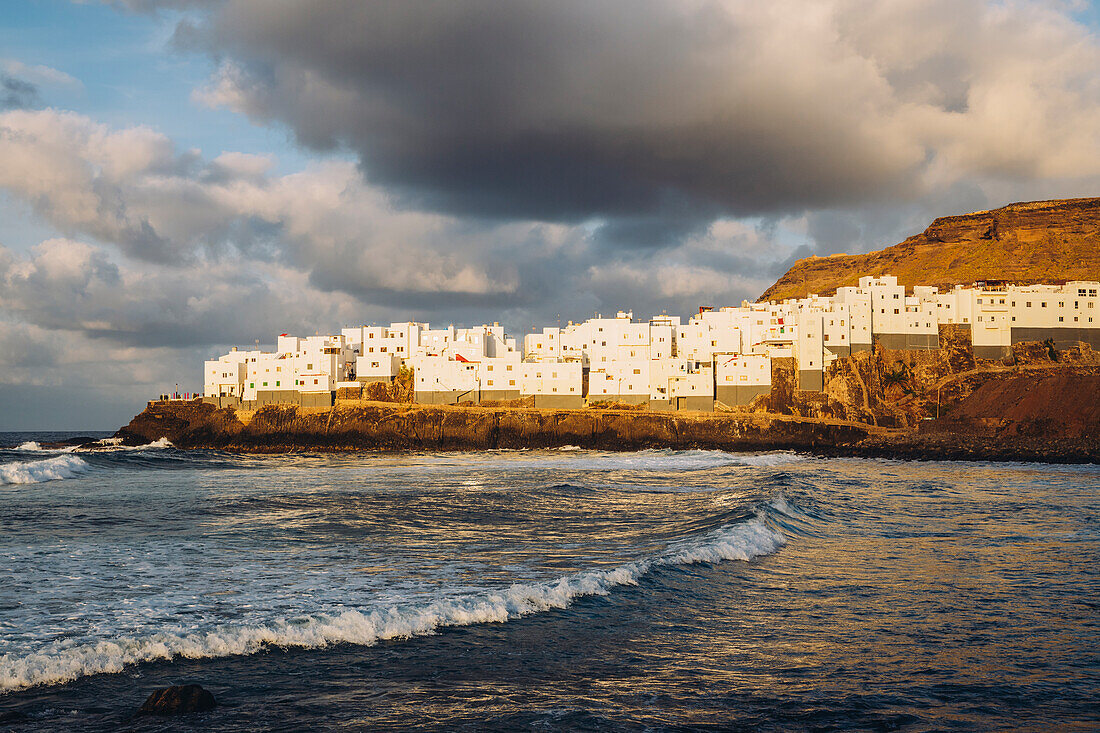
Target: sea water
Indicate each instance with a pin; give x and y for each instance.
(546, 590)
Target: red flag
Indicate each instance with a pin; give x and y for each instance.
(459, 357)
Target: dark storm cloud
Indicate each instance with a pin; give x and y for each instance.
(656, 117)
(566, 110)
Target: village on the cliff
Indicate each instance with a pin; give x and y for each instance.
(717, 357)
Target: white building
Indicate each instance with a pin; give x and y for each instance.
(719, 354)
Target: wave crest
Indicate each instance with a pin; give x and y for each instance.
(63, 662)
(49, 469)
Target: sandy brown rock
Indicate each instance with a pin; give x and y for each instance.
(1040, 241)
(388, 426)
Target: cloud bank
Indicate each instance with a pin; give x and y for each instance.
(686, 110)
(523, 161)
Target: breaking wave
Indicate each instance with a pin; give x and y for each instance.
(63, 662)
(108, 445)
(49, 469)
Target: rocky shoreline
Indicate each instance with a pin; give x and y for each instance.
(398, 427)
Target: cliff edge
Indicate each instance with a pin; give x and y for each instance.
(1038, 241)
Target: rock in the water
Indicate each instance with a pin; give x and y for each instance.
(177, 700)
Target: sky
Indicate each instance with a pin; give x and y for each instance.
(181, 176)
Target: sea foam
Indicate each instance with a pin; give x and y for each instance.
(49, 469)
(64, 661)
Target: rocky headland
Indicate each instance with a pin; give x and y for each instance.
(1038, 403)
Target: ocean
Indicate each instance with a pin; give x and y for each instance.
(546, 590)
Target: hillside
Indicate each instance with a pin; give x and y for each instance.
(1040, 241)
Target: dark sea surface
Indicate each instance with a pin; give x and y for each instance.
(547, 590)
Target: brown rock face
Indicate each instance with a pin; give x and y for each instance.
(178, 700)
(388, 426)
(1041, 241)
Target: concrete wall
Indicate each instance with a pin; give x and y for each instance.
(316, 399)
(917, 341)
(498, 394)
(369, 380)
(559, 402)
(1063, 337)
(277, 397)
(810, 380)
(701, 404)
(740, 394)
(860, 347)
(447, 397)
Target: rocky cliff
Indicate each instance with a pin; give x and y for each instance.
(1040, 241)
(387, 426)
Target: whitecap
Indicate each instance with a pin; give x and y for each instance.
(49, 469)
(64, 661)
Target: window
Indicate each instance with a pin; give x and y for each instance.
(1061, 304)
(309, 367)
(315, 381)
(508, 368)
(979, 301)
(1060, 319)
(637, 371)
(265, 384)
(511, 383)
(490, 383)
(1043, 304)
(895, 311)
(490, 367)
(1028, 304)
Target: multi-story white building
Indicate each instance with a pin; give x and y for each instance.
(718, 354)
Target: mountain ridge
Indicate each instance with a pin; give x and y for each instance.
(1030, 241)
